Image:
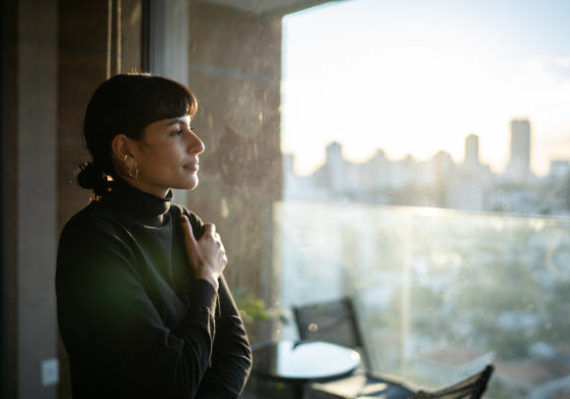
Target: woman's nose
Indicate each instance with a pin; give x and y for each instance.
(196, 145)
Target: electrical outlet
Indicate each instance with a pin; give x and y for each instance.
(50, 372)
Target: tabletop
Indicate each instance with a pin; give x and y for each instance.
(302, 361)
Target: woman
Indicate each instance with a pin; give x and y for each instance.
(143, 307)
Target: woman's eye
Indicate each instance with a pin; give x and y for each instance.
(177, 133)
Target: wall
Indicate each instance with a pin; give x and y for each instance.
(31, 201)
(9, 219)
(235, 71)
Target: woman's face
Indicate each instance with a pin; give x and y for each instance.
(167, 156)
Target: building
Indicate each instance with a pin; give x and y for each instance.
(472, 150)
(520, 146)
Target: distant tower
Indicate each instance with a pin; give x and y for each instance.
(335, 166)
(334, 153)
(519, 163)
(472, 150)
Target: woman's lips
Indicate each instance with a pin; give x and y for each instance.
(192, 167)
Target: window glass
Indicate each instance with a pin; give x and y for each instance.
(426, 174)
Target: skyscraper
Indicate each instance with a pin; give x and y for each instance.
(472, 150)
(519, 162)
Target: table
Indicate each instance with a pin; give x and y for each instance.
(299, 362)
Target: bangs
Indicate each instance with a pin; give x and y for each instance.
(164, 99)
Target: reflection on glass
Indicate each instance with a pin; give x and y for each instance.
(440, 292)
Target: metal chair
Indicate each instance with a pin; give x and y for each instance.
(472, 387)
(334, 321)
(337, 322)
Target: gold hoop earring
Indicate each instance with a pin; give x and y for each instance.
(134, 174)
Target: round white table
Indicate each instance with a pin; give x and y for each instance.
(299, 362)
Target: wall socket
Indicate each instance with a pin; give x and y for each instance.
(49, 372)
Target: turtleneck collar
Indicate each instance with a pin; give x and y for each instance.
(136, 204)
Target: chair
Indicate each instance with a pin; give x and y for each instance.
(337, 322)
(333, 321)
(472, 387)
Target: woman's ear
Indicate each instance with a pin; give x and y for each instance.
(124, 150)
(122, 147)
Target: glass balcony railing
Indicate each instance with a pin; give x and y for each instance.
(439, 292)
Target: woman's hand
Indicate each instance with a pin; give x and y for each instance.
(207, 255)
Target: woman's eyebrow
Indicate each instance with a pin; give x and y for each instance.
(176, 120)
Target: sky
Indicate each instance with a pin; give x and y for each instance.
(416, 77)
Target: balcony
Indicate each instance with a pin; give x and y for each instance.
(440, 292)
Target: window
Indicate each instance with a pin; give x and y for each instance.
(426, 173)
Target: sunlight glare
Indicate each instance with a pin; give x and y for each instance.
(414, 88)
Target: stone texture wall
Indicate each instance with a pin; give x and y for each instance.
(235, 71)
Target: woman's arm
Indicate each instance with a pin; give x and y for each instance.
(231, 357)
(116, 340)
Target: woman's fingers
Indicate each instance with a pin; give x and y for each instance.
(208, 253)
(210, 229)
(222, 250)
(188, 233)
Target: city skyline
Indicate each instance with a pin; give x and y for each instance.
(413, 78)
(517, 155)
(438, 182)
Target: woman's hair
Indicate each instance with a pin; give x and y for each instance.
(126, 104)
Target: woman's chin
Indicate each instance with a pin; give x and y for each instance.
(192, 183)
(187, 182)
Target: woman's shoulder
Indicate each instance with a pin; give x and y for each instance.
(178, 210)
(93, 218)
(92, 229)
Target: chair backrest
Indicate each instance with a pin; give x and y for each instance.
(472, 387)
(334, 321)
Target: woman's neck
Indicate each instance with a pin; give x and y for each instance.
(160, 192)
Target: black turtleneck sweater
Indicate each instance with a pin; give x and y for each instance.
(134, 320)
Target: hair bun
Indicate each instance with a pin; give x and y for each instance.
(92, 176)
